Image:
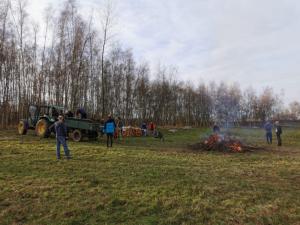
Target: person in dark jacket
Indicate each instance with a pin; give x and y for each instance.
(69, 114)
(278, 132)
(61, 137)
(109, 129)
(80, 113)
(268, 128)
(55, 113)
(144, 129)
(216, 129)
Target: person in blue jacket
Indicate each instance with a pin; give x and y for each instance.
(109, 129)
(61, 137)
(268, 128)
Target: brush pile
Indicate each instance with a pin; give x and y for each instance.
(222, 143)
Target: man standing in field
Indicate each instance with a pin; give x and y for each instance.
(268, 128)
(109, 129)
(61, 137)
(278, 133)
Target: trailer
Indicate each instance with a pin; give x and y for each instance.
(41, 118)
(80, 128)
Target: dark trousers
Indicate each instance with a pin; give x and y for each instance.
(279, 141)
(269, 137)
(109, 139)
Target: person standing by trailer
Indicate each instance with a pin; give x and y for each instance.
(278, 132)
(268, 128)
(61, 137)
(69, 114)
(109, 129)
(81, 113)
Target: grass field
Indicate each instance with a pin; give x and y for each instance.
(145, 181)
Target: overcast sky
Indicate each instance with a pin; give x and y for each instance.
(253, 42)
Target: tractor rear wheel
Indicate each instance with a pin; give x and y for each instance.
(77, 135)
(22, 127)
(41, 128)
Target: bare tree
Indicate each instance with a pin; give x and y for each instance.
(78, 66)
(106, 22)
(294, 110)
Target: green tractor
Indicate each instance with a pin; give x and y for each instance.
(40, 118)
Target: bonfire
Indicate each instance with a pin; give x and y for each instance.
(222, 143)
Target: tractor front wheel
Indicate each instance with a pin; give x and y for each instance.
(77, 135)
(41, 128)
(22, 127)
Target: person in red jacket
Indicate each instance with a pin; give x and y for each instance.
(151, 127)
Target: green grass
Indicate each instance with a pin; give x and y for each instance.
(145, 181)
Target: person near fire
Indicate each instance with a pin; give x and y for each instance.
(109, 129)
(278, 132)
(268, 128)
(216, 129)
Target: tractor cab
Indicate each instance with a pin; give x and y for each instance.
(50, 113)
(33, 115)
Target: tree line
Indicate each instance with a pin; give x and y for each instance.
(78, 65)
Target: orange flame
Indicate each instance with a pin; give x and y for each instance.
(234, 146)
